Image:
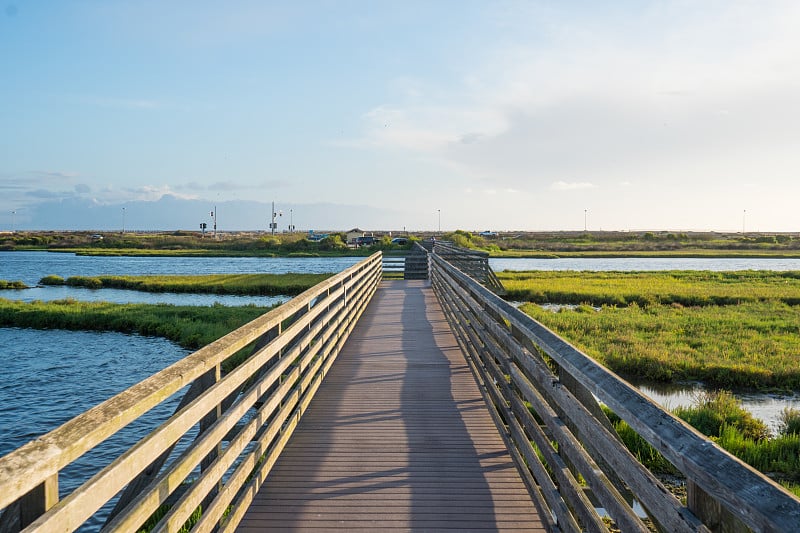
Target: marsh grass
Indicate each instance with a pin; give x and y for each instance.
(239, 284)
(687, 288)
(12, 285)
(752, 345)
(190, 326)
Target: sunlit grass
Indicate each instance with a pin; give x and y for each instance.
(688, 288)
(190, 326)
(241, 284)
(754, 344)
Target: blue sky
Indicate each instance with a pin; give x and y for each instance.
(676, 115)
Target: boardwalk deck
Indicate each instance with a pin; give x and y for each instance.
(397, 438)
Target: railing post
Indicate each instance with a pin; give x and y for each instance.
(711, 512)
(38, 501)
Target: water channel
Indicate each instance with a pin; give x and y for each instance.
(51, 376)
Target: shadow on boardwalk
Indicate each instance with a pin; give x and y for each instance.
(397, 438)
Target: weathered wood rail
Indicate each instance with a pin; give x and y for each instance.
(245, 417)
(543, 392)
(412, 265)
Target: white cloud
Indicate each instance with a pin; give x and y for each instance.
(662, 92)
(564, 186)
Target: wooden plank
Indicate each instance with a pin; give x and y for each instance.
(397, 436)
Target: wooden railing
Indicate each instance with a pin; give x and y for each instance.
(473, 263)
(244, 416)
(412, 265)
(543, 395)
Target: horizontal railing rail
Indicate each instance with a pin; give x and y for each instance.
(244, 415)
(544, 394)
(473, 263)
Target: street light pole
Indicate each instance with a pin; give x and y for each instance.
(123, 220)
(744, 213)
(440, 221)
(13, 220)
(214, 218)
(585, 214)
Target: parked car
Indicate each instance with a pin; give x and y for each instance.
(488, 233)
(400, 241)
(365, 241)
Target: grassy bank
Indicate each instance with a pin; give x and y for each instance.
(190, 326)
(12, 285)
(193, 244)
(751, 345)
(728, 329)
(719, 416)
(688, 288)
(240, 284)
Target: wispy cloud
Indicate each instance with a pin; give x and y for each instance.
(152, 193)
(574, 186)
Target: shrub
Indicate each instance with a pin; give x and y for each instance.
(84, 281)
(12, 284)
(789, 421)
(51, 280)
(713, 411)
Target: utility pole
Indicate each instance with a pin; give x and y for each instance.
(123, 221)
(214, 218)
(274, 225)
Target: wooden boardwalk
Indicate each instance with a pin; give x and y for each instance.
(397, 438)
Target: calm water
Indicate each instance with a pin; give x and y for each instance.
(30, 267)
(51, 376)
(645, 264)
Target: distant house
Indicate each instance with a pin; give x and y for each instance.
(354, 234)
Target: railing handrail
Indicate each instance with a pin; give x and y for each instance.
(496, 329)
(317, 322)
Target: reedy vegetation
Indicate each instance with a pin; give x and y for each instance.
(242, 284)
(190, 326)
(729, 329)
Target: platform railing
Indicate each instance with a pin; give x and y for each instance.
(242, 418)
(543, 394)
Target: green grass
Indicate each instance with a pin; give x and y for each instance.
(721, 417)
(12, 285)
(753, 345)
(241, 284)
(728, 329)
(688, 288)
(190, 326)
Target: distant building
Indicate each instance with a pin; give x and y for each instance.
(354, 234)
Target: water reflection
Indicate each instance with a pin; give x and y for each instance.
(765, 406)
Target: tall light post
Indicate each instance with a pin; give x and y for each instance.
(440, 220)
(585, 215)
(123, 220)
(13, 220)
(214, 218)
(291, 220)
(274, 225)
(744, 214)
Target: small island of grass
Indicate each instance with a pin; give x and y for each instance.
(12, 285)
(238, 284)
